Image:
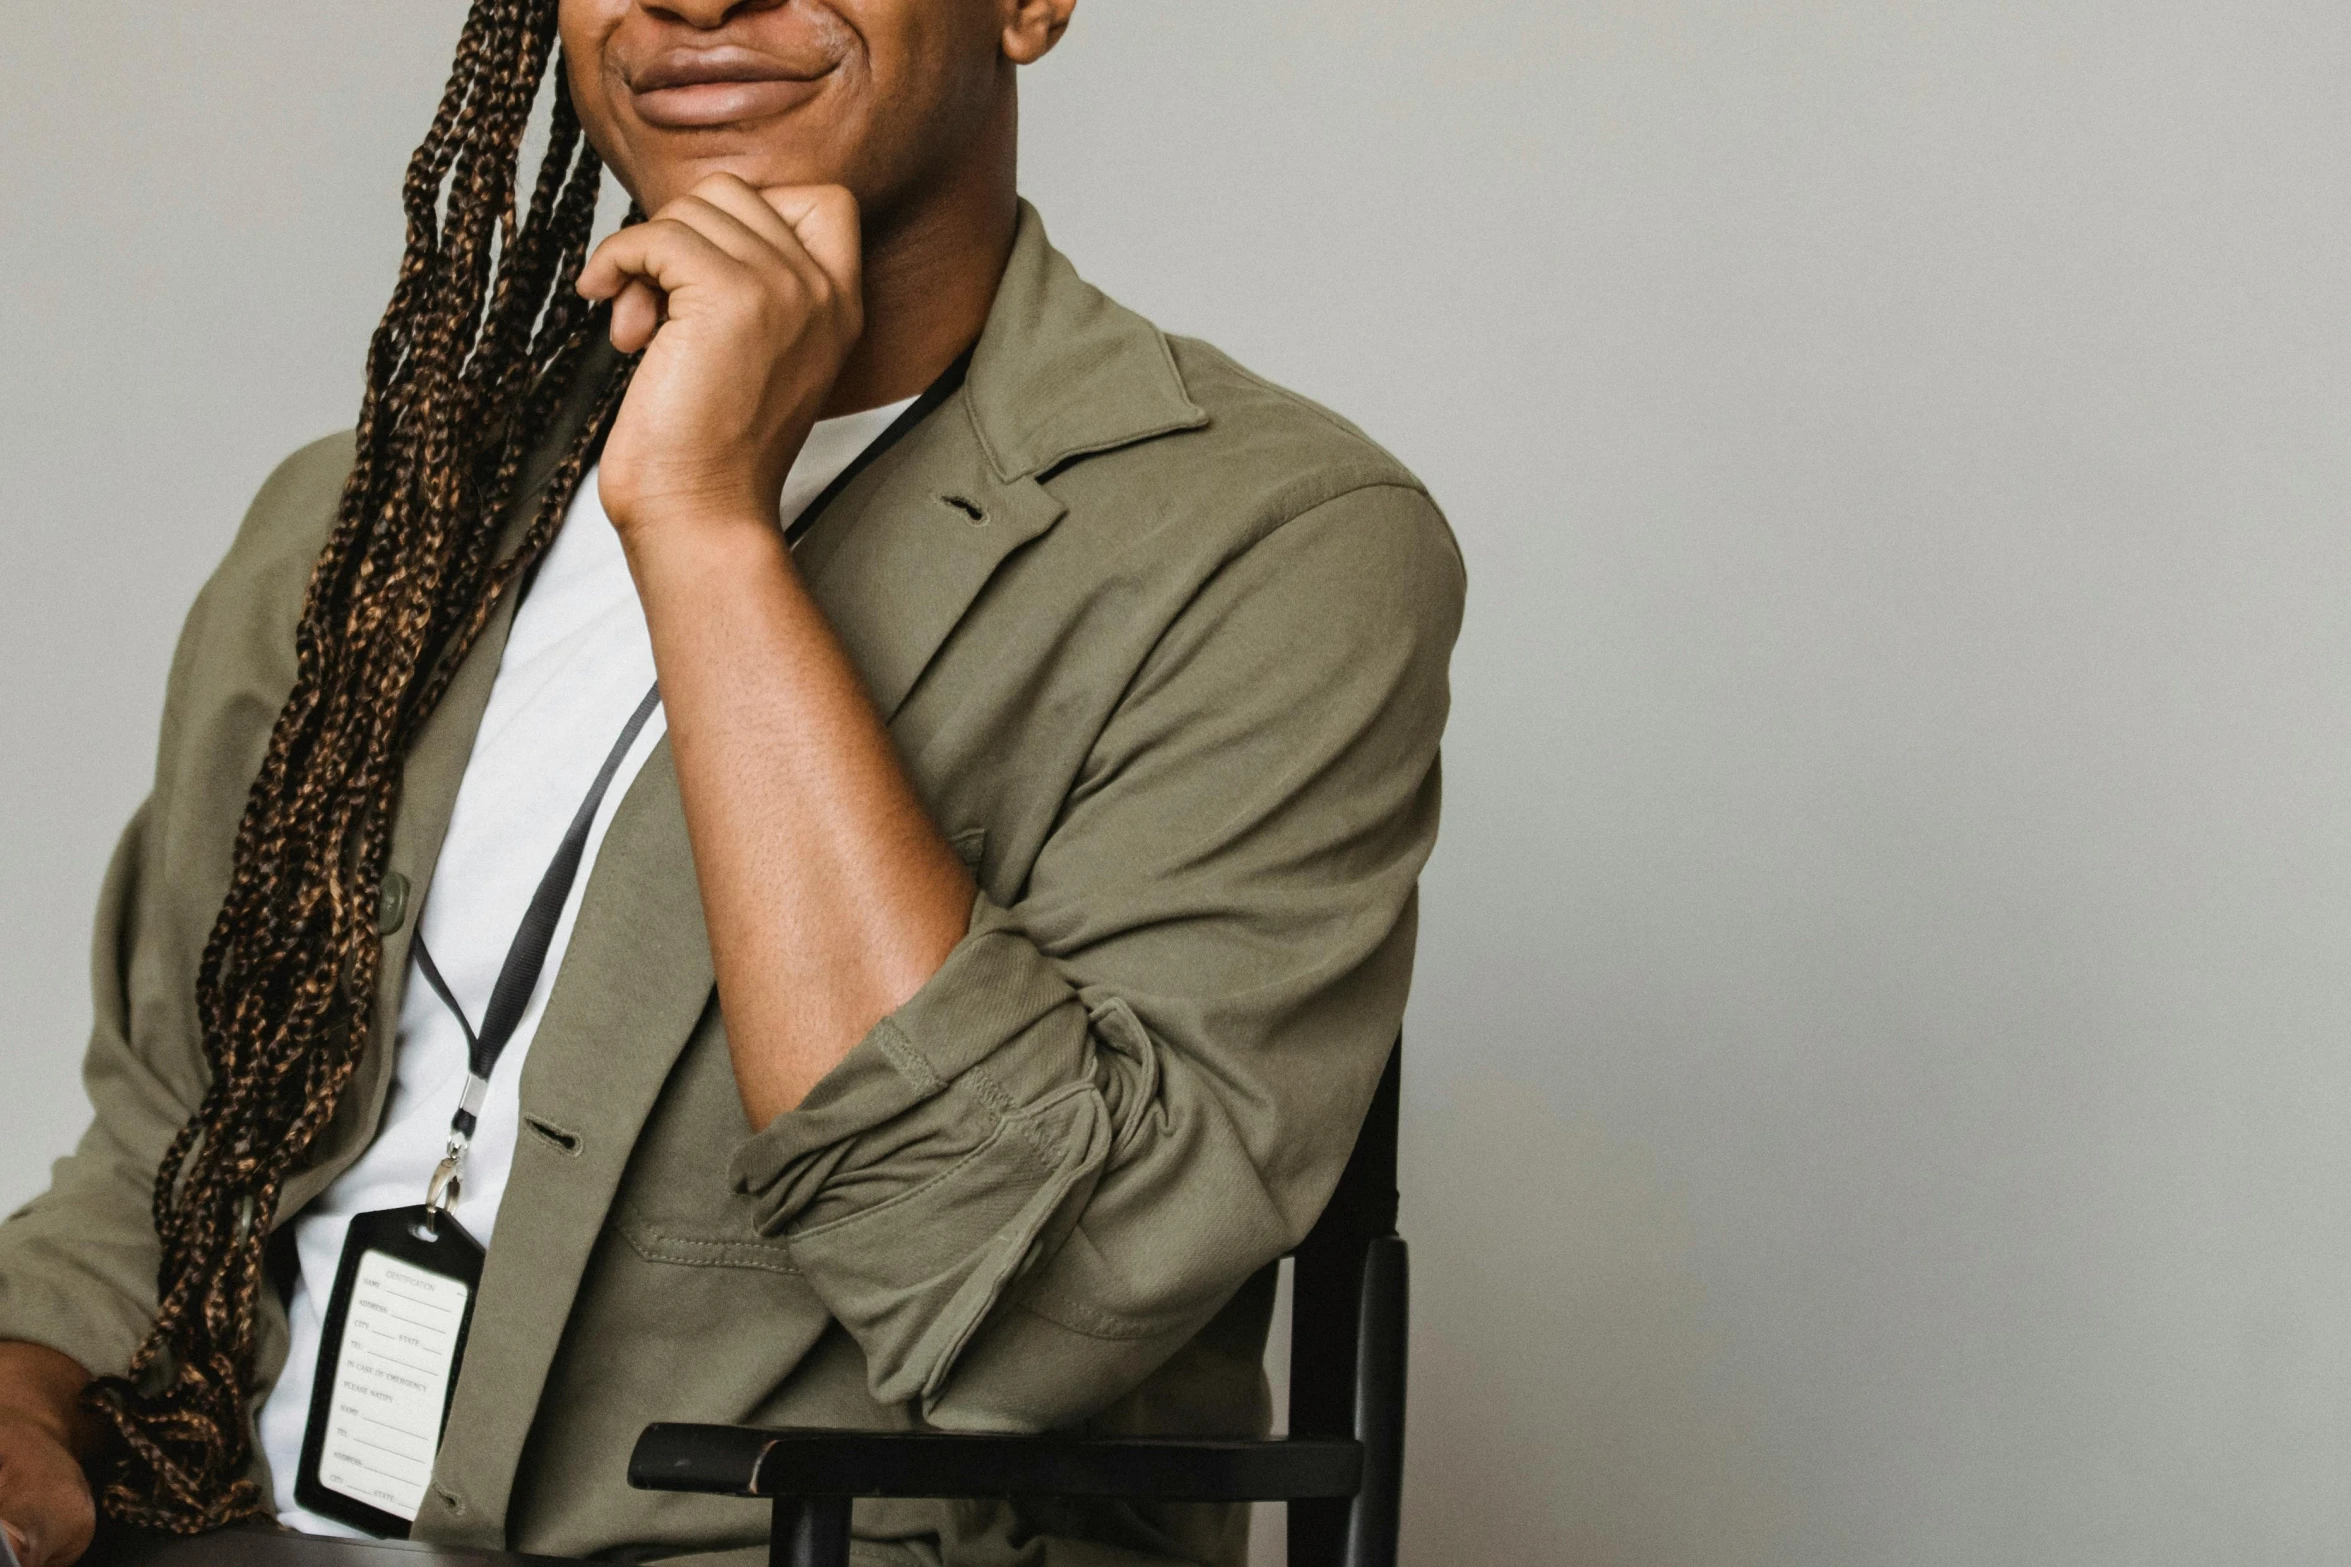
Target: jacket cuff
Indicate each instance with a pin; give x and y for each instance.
(948, 1153)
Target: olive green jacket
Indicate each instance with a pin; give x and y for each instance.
(1164, 651)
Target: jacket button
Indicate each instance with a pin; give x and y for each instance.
(392, 904)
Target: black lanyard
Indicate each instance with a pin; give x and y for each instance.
(526, 955)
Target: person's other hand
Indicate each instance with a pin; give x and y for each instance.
(746, 303)
(45, 1503)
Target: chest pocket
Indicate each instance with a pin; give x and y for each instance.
(677, 1204)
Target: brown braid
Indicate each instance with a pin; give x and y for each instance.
(465, 376)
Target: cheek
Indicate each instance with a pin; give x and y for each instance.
(580, 23)
(923, 54)
(585, 28)
(933, 79)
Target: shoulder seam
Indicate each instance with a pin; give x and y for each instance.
(1287, 514)
(1295, 399)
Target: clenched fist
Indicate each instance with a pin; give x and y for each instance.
(746, 303)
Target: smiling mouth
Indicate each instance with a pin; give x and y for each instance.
(684, 89)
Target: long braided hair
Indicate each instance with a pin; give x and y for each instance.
(483, 337)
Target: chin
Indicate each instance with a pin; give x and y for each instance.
(655, 182)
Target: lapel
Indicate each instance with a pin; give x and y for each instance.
(895, 562)
(1060, 371)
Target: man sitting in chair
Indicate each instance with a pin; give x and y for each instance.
(937, 1002)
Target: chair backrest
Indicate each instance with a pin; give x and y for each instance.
(1326, 1316)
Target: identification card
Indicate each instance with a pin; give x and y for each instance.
(387, 1364)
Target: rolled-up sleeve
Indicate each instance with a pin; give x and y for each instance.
(1136, 1083)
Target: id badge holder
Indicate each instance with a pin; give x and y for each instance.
(387, 1365)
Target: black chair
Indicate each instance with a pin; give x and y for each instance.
(1341, 1469)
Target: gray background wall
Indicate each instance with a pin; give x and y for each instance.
(1879, 1087)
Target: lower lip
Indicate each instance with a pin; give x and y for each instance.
(721, 103)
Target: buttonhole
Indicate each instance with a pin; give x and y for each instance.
(969, 507)
(568, 1142)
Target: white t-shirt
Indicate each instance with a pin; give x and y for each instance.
(577, 663)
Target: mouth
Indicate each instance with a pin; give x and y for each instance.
(681, 89)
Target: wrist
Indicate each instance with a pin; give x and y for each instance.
(704, 554)
(655, 504)
(723, 533)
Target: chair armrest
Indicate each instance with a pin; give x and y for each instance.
(750, 1461)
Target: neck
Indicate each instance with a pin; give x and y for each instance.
(931, 268)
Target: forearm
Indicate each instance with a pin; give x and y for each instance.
(42, 1388)
(830, 895)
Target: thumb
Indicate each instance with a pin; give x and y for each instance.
(824, 218)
